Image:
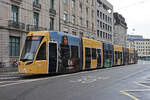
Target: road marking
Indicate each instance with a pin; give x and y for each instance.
(88, 79)
(9, 73)
(32, 80)
(22, 81)
(127, 94)
(148, 79)
(141, 84)
(137, 90)
(67, 75)
(4, 78)
(7, 81)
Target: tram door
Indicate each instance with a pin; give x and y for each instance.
(87, 58)
(98, 58)
(53, 57)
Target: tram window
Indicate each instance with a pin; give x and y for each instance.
(109, 54)
(87, 52)
(93, 53)
(116, 57)
(65, 51)
(74, 52)
(42, 52)
(118, 54)
(98, 51)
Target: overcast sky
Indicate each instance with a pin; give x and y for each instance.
(136, 13)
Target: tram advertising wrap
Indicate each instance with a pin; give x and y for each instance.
(46, 52)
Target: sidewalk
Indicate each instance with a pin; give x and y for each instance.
(8, 69)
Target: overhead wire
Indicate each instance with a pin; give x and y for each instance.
(133, 4)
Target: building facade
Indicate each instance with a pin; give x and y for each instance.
(120, 30)
(133, 37)
(78, 17)
(130, 44)
(142, 46)
(21, 16)
(104, 21)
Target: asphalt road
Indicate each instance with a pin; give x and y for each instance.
(131, 82)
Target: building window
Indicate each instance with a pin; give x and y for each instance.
(73, 3)
(101, 24)
(92, 2)
(14, 46)
(92, 26)
(97, 23)
(97, 33)
(80, 7)
(103, 16)
(87, 12)
(110, 21)
(106, 18)
(100, 14)
(105, 26)
(15, 13)
(92, 13)
(97, 13)
(104, 35)
(51, 23)
(65, 1)
(80, 21)
(36, 1)
(87, 22)
(73, 19)
(52, 4)
(101, 33)
(36, 19)
(110, 37)
(65, 16)
(110, 29)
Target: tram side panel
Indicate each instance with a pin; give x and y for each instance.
(118, 55)
(107, 55)
(125, 56)
(69, 52)
(92, 54)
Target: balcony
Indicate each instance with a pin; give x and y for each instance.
(17, 1)
(36, 6)
(16, 25)
(34, 28)
(52, 11)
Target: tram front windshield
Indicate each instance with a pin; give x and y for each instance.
(30, 48)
